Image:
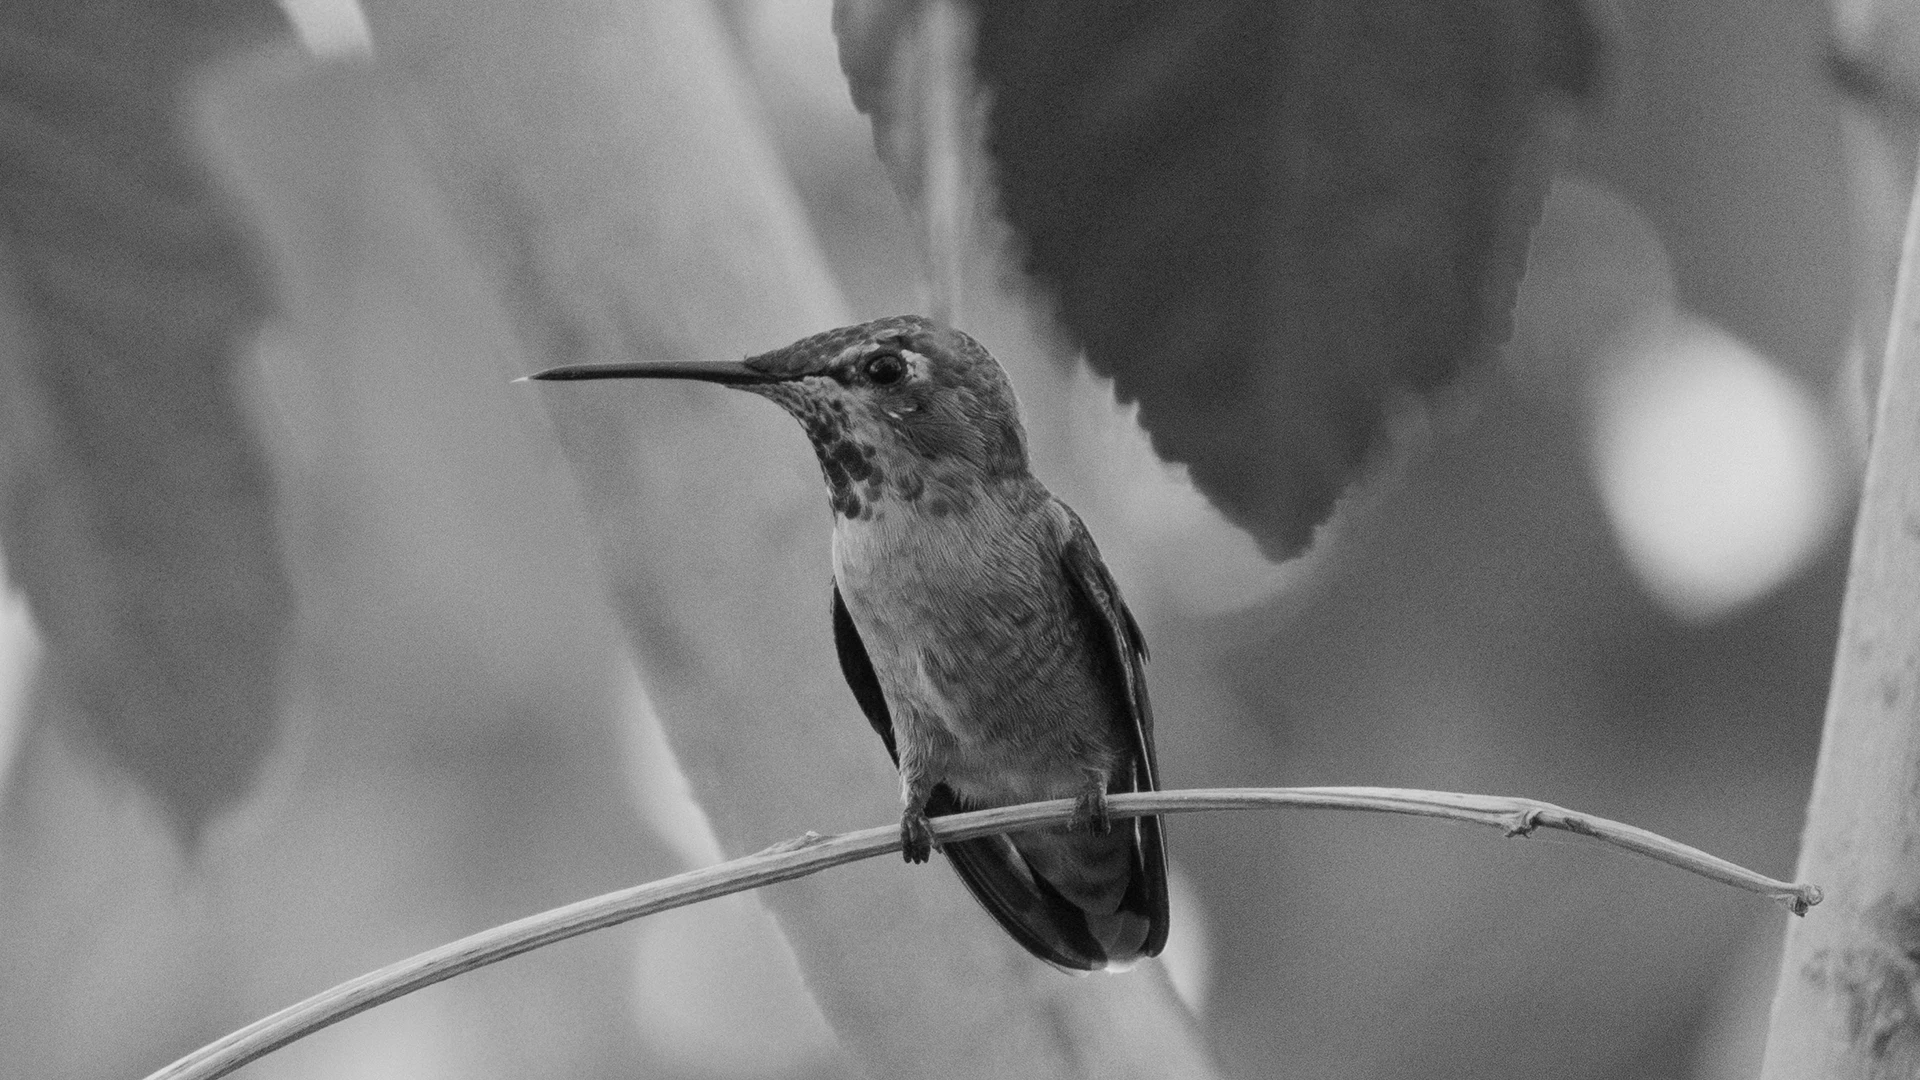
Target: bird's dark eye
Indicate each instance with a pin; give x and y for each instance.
(885, 369)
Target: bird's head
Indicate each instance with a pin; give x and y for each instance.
(898, 408)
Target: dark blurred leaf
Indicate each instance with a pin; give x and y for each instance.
(135, 506)
(1266, 219)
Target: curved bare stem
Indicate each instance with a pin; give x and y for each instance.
(812, 853)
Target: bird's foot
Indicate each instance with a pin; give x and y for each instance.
(916, 837)
(1090, 812)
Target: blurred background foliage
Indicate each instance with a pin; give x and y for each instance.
(1606, 575)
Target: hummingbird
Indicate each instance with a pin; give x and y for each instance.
(976, 624)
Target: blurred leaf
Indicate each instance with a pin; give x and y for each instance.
(135, 506)
(1266, 221)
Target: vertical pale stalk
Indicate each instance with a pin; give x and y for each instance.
(1846, 1004)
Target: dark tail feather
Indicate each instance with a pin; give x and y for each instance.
(1042, 919)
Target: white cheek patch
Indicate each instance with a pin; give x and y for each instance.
(918, 367)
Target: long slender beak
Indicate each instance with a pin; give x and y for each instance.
(725, 372)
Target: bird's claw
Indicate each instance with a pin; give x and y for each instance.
(1090, 813)
(916, 837)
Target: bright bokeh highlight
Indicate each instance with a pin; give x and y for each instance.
(1716, 468)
